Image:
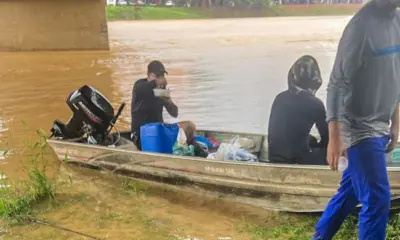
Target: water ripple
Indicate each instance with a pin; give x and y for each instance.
(223, 75)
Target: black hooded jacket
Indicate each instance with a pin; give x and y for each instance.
(294, 112)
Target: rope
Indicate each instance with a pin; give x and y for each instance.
(63, 228)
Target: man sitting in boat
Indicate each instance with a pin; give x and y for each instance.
(146, 107)
(293, 114)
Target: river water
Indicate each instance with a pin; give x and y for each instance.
(224, 74)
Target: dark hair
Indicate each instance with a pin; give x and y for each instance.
(157, 68)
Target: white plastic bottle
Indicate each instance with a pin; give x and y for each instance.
(343, 164)
(181, 139)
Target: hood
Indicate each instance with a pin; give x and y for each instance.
(305, 75)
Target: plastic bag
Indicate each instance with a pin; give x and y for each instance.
(184, 150)
(212, 156)
(223, 151)
(225, 148)
(180, 147)
(241, 155)
(181, 138)
(236, 150)
(244, 143)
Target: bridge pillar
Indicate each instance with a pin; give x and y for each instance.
(41, 25)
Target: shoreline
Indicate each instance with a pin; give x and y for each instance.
(132, 13)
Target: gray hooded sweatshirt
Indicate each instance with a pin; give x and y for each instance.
(364, 86)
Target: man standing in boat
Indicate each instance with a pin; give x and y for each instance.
(362, 113)
(146, 107)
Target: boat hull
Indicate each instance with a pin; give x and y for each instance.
(280, 187)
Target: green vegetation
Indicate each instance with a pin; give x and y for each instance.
(134, 187)
(304, 229)
(151, 13)
(17, 201)
(159, 13)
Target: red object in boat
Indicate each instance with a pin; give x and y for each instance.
(214, 141)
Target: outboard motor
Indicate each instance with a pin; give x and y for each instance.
(93, 116)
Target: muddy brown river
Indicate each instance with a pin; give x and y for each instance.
(224, 74)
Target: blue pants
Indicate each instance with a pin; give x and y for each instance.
(365, 181)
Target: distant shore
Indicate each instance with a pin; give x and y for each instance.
(169, 13)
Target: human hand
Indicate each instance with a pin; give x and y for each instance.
(394, 136)
(167, 99)
(161, 82)
(152, 77)
(335, 146)
(394, 130)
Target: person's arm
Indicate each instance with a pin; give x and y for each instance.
(349, 59)
(171, 107)
(144, 89)
(395, 120)
(394, 130)
(322, 125)
(132, 108)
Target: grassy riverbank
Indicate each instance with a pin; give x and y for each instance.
(160, 13)
(103, 206)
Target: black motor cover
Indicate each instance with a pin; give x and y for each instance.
(91, 106)
(91, 110)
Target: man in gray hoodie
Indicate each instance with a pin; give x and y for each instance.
(363, 118)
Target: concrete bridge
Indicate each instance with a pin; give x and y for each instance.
(37, 25)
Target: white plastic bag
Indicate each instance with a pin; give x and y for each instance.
(181, 139)
(212, 156)
(223, 151)
(229, 151)
(245, 143)
(225, 148)
(241, 155)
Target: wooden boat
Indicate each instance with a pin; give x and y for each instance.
(280, 187)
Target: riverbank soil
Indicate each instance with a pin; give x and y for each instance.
(89, 204)
(109, 207)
